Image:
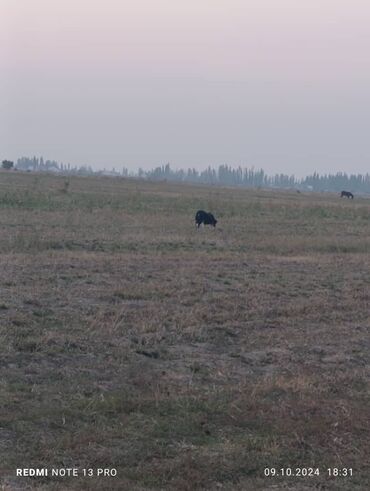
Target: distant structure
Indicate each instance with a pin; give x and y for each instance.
(7, 164)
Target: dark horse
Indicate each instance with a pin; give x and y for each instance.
(347, 194)
(205, 218)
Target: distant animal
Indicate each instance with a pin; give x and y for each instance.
(347, 194)
(205, 218)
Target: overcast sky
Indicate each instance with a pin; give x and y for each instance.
(283, 85)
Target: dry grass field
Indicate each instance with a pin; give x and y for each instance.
(184, 359)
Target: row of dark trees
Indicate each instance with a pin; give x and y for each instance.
(39, 164)
(223, 175)
(230, 176)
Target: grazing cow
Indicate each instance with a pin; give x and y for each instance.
(205, 218)
(347, 194)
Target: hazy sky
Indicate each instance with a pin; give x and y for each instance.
(282, 84)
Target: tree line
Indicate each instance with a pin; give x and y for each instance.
(222, 175)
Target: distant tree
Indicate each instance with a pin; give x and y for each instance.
(7, 164)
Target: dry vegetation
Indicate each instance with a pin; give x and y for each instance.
(185, 359)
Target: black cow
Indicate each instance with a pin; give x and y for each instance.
(205, 218)
(347, 194)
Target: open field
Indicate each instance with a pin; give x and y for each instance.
(185, 359)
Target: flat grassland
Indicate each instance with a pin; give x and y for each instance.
(185, 359)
